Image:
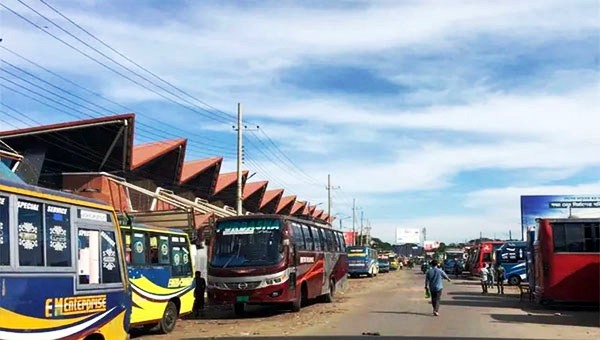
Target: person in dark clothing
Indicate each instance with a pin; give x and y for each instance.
(199, 293)
(433, 284)
(500, 278)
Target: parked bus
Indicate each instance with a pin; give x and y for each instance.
(567, 260)
(274, 259)
(362, 260)
(484, 254)
(159, 263)
(62, 270)
(512, 257)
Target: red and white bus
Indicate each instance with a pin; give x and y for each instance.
(274, 259)
(567, 260)
(483, 253)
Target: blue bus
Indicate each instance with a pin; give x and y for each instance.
(62, 269)
(512, 257)
(362, 260)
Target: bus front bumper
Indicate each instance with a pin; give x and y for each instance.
(280, 293)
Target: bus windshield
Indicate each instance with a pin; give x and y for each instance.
(255, 242)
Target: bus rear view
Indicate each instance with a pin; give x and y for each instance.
(362, 260)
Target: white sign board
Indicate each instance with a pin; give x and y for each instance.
(408, 235)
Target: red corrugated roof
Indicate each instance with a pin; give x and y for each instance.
(299, 207)
(193, 168)
(226, 180)
(144, 153)
(253, 187)
(73, 124)
(325, 216)
(285, 200)
(317, 213)
(271, 195)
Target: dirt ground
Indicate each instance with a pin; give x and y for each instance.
(219, 321)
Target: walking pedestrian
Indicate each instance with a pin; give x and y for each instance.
(433, 284)
(199, 294)
(491, 276)
(500, 278)
(484, 272)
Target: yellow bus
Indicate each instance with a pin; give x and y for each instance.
(62, 270)
(159, 263)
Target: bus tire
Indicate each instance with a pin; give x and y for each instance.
(328, 298)
(169, 319)
(514, 280)
(302, 297)
(238, 309)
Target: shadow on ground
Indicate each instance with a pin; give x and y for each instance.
(566, 315)
(400, 313)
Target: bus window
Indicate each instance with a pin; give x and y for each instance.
(4, 235)
(88, 266)
(316, 238)
(307, 237)
(98, 260)
(163, 250)
(153, 249)
(30, 231)
(592, 237)
(111, 271)
(340, 237)
(180, 257)
(329, 237)
(297, 237)
(58, 236)
(138, 249)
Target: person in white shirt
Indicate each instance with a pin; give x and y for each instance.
(484, 278)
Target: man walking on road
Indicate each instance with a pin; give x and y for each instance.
(433, 284)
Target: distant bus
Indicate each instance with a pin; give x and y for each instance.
(383, 261)
(512, 257)
(159, 262)
(274, 259)
(62, 270)
(484, 254)
(362, 260)
(567, 260)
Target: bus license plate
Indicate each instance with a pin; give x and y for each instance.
(243, 298)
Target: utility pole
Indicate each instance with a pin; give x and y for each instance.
(329, 188)
(354, 221)
(238, 198)
(509, 235)
(362, 215)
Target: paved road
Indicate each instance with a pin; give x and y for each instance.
(394, 305)
(465, 312)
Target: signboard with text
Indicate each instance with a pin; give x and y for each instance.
(556, 206)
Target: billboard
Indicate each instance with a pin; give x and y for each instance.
(556, 206)
(350, 237)
(408, 235)
(431, 245)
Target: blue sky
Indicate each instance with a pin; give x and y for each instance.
(431, 114)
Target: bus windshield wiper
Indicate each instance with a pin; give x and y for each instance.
(233, 255)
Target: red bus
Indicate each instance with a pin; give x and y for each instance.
(567, 260)
(274, 259)
(484, 253)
